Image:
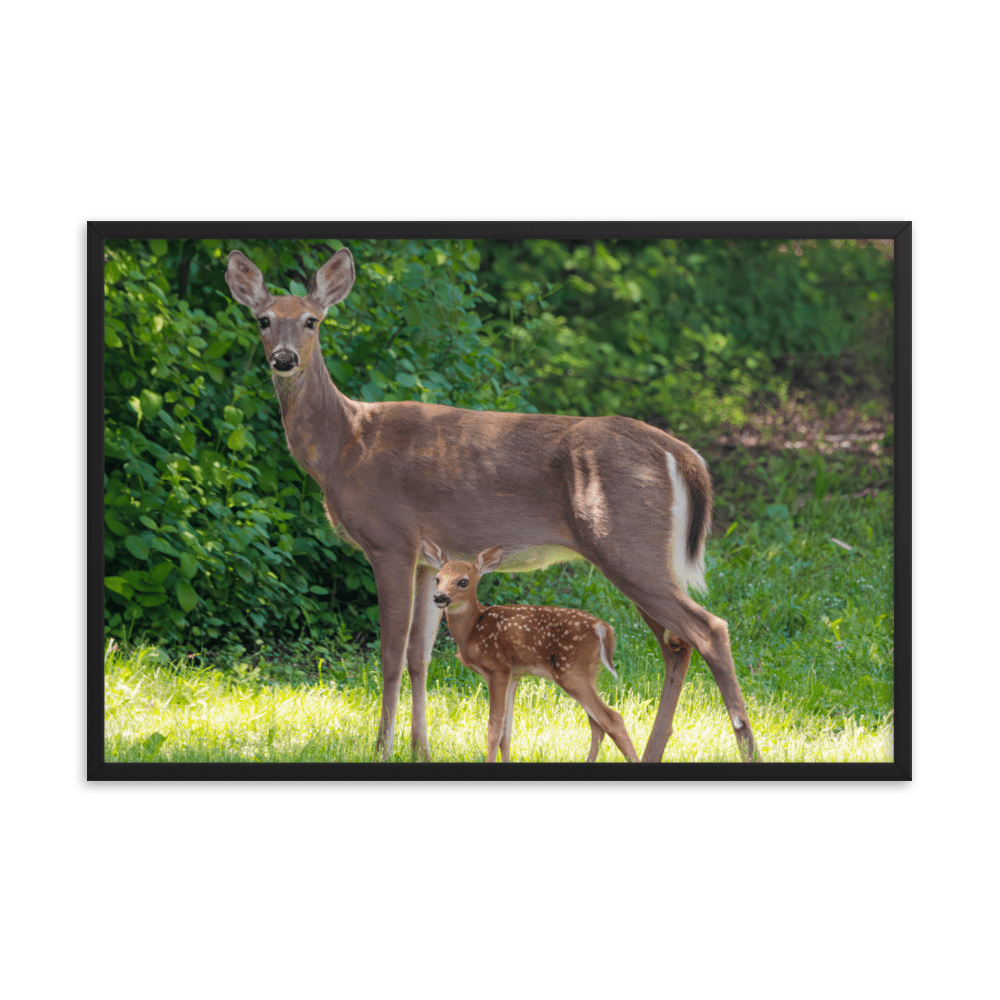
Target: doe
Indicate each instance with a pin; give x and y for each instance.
(629, 498)
(504, 643)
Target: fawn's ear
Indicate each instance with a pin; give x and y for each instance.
(433, 554)
(246, 282)
(488, 560)
(333, 280)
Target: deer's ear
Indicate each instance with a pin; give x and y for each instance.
(331, 283)
(488, 560)
(246, 282)
(433, 554)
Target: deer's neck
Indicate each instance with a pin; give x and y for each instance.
(316, 414)
(462, 621)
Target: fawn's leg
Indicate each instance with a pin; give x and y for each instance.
(596, 736)
(582, 688)
(508, 721)
(498, 684)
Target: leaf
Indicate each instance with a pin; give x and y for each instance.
(189, 565)
(216, 349)
(116, 525)
(118, 586)
(233, 415)
(150, 403)
(159, 247)
(162, 545)
(137, 547)
(150, 600)
(249, 405)
(160, 572)
(187, 441)
(186, 596)
(237, 439)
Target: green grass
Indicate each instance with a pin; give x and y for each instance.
(810, 621)
(213, 716)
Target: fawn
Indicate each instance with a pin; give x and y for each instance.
(504, 643)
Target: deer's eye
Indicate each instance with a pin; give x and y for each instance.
(463, 583)
(311, 323)
(265, 322)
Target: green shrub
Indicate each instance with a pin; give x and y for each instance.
(214, 534)
(688, 333)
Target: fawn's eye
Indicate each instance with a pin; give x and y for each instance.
(311, 323)
(463, 583)
(265, 322)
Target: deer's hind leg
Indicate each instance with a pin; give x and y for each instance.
(689, 624)
(643, 577)
(676, 660)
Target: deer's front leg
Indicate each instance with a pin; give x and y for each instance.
(423, 631)
(394, 580)
(497, 684)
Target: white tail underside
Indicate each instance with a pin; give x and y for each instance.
(689, 573)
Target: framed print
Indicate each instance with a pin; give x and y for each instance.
(395, 500)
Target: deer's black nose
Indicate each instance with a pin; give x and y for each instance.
(284, 360)
(442, 600)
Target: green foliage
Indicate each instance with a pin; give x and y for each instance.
(216, 539)
(213, 532)
(687, 332)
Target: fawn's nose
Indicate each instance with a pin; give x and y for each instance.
(284, 360)
(442, 600)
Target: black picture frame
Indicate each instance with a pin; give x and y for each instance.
(94, 775)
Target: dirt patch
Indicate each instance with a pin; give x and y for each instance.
(800, 424)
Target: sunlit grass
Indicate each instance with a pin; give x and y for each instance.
(208, 715)
(806, 587)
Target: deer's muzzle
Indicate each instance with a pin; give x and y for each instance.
(284, 360)
(442, 600)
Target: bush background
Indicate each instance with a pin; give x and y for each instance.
(216, 540)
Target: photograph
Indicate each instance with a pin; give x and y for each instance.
(396, 500)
